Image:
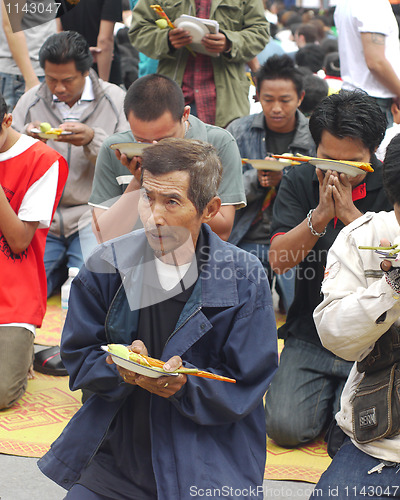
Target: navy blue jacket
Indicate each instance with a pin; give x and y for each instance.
(210, 434)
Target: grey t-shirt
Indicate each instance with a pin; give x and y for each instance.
(111, 177)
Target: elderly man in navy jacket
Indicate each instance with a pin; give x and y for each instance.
(176, 291)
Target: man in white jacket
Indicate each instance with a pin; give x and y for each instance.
(359, 321)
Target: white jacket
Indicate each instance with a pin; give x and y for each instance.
(356, 296)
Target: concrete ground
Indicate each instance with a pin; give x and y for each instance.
(20, 479)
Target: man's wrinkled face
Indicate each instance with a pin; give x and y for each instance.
(65, 81)
(334, 148)
(169, 218)
(279, 101)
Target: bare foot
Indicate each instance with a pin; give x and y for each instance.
(31, 373)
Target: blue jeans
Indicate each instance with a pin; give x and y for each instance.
(385, 105)
(305, 392)
(62, 253)
(347, 477)
(12, 87)
(285, 281)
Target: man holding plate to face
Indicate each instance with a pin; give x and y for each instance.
(155, 109)
(312, 206)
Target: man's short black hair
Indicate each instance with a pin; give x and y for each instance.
(309, 31)
(288, 17)
(319, 25)
(280, 68)
(349, 114)
(151, 96)
(311, 56)
(391, 170)
(315, 90)
(332, 64)
(64, 47)
(329, 45)
(3, 108)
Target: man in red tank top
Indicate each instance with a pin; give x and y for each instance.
(32, 177)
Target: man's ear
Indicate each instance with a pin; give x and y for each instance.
(7, 120)
(395, 112)
(186, 113)
(211, 209)
(301, 97)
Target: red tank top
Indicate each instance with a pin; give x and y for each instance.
(23, 286)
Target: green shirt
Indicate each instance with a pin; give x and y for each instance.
(111, 177)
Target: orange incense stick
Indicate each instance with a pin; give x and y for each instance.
(364, 166)
(157, 363)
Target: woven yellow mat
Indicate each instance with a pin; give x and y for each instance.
(38, 418)
(305, 463)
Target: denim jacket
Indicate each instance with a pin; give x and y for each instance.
(250, 135)
(210, 434)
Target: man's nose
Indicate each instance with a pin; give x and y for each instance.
(276, 107)
(157, 215)
(60, 87)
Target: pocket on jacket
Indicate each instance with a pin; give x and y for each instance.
(376, 406)
(230, 15)
(173, 9)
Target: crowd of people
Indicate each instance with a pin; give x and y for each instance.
(144, 154)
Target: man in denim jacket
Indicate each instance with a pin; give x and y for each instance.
(177, 292)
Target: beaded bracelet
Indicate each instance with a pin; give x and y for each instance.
(310, 226)
(393, 279)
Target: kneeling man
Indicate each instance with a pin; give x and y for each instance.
(176, 291)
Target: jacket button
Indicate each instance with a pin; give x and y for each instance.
(202, 326)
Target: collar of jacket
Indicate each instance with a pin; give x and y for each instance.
(302, 138)
(215, 287)
(218, 286)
